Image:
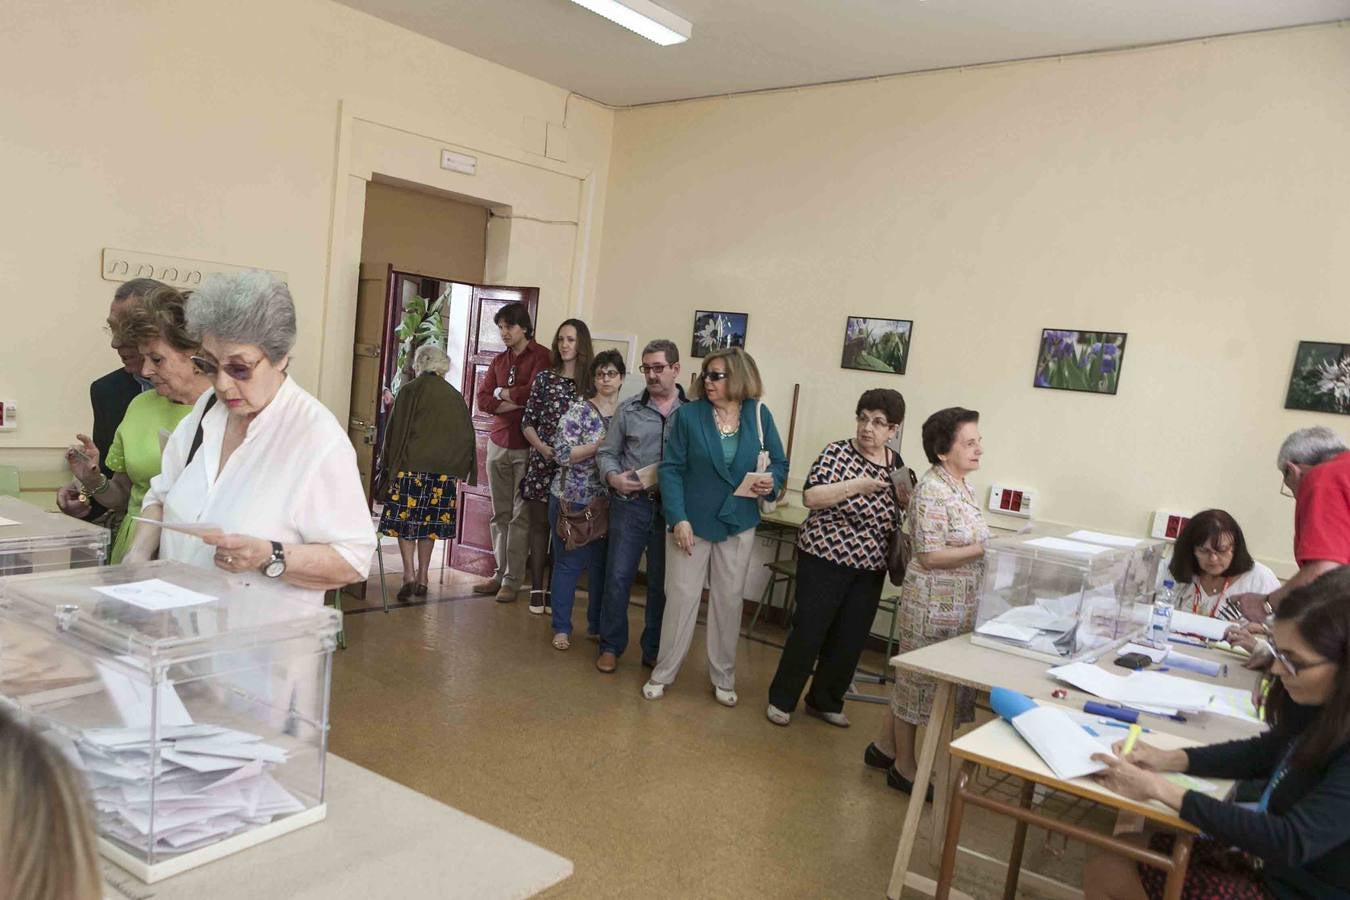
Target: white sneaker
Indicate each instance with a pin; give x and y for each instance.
(726, 698)
(777, 716)
(537, 603)
(653, 690)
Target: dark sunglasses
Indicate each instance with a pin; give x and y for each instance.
(236, 371)
(713, 376)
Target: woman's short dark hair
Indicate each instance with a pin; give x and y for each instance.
(883, 400)
(939, 430)
(585, 355)
(515, 314)
(1211, 524)
(1321, 612)
(606, 358)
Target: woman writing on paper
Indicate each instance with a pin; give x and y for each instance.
(1293, 842)
(941, 589)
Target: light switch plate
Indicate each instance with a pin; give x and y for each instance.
(9, 415)
(1167, 524)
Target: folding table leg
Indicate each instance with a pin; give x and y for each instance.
(1181, 857)
(948, 867)
(942, 768)
(922, 778)
(1019, 843)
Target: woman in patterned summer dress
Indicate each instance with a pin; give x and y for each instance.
(841, 562)
(574, 487)
(428, 446)
(941, 587)
(552, 393)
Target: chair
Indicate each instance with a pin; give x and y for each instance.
(337, 593)
(9, 481)
(781, 570)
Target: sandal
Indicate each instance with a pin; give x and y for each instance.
(561, 641)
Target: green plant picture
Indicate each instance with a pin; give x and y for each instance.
(422, 323)
(1080, 360)
(877, 345)
(1321, 378)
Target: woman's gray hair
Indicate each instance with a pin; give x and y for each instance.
(245, 308)
(430, 358)
(1309, 447)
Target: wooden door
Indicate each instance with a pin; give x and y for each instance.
(372, 311)
(473, 540)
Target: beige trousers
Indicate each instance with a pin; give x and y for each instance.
(723, 564)
(510, 513)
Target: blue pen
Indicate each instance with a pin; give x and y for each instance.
(1110, 723)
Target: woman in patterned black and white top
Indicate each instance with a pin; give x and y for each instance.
(841, 562)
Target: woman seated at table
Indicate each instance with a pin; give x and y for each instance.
(258, 457)
(1294, 841)
(941, 588)
(841, 562)
(1210, 564)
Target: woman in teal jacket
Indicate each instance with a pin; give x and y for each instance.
(713, 444)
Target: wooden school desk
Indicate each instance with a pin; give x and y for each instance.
(958, 662)
(997, 746)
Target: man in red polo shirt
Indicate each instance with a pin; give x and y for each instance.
(503, 392)
(1315, 463)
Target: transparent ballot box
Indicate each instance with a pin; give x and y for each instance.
(34, 540)
(1059, 594)
(195, 706)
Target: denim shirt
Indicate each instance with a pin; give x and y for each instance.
(637, 435)
(578, 483)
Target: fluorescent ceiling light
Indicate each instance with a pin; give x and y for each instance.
(643, 17)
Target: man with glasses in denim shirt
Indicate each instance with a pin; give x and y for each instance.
(635, 440)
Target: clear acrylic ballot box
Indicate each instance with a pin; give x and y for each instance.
(34, 540)
(1058, 594)
(196, 710)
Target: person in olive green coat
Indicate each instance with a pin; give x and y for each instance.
(428, 447)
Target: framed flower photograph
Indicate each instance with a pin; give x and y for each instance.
(717, 330)
(1321, 378)
(876, 345)
(1071, 360)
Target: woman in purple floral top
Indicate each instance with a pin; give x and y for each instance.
(552, 393)
(576, 484)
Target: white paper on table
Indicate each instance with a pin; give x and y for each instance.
(154, 594)
(1066, 748)
(4, 522)
(1205, 626)
(1078, 548)
(1233, 702)
(196, 529)
(132, 699)
(648, 475)
(1110, 540)
(1153, 653)
(1142, 690)
(995, 628)
(749, 481)
(1037, 617)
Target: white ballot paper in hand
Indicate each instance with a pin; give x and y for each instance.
(749, 481)
(196, 529)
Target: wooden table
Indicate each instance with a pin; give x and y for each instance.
(380, 839)
(958, 662)
(997, 746)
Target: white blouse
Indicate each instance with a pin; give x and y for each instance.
(293, 480)
(1192, 598)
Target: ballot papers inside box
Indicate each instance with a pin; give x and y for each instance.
(35, 540)
(1058, 594)
(195, 709)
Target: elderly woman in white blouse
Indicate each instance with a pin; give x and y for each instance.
(258, 457)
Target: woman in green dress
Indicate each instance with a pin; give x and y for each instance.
(158, 328)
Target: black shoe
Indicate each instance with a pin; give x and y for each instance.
(875, 759)
(901, 783)
(420, 590)
(406, 591)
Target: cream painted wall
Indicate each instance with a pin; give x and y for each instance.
(420, 232)
(217, 132)
(1194, 196)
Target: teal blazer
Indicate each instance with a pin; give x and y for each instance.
(697, 485)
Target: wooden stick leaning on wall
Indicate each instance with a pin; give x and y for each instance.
(792, 431)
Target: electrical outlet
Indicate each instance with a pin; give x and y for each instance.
(1167, 524)
(9, 415)
(1010, 501)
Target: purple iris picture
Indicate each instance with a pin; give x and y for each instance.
(1072, 360)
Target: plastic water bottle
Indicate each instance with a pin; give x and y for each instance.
(1160, 623)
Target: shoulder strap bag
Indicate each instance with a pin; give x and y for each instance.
(899, 548)
(768, 503)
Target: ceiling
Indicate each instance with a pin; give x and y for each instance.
(745, 45)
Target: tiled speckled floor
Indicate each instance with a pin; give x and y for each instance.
(465, 700)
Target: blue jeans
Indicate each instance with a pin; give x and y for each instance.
(567, 568)
(636, 525)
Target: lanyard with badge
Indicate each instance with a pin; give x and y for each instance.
(1200, 595)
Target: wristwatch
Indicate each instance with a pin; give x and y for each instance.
(276, 563)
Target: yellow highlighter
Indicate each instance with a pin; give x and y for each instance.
(1133, 736)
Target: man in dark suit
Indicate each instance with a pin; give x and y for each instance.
(111, 395)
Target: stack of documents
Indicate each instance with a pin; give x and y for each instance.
(1156, 692)
(1060, 741)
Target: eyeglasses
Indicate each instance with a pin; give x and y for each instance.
(713, 376)
(1289, 664)
(1285, 490)
(877, 422)
(1214, 551)
(653, 370)
(607, 374)
(236, 371)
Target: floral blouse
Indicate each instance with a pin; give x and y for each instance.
(943, 513)
(578, 483)
(551, 395)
